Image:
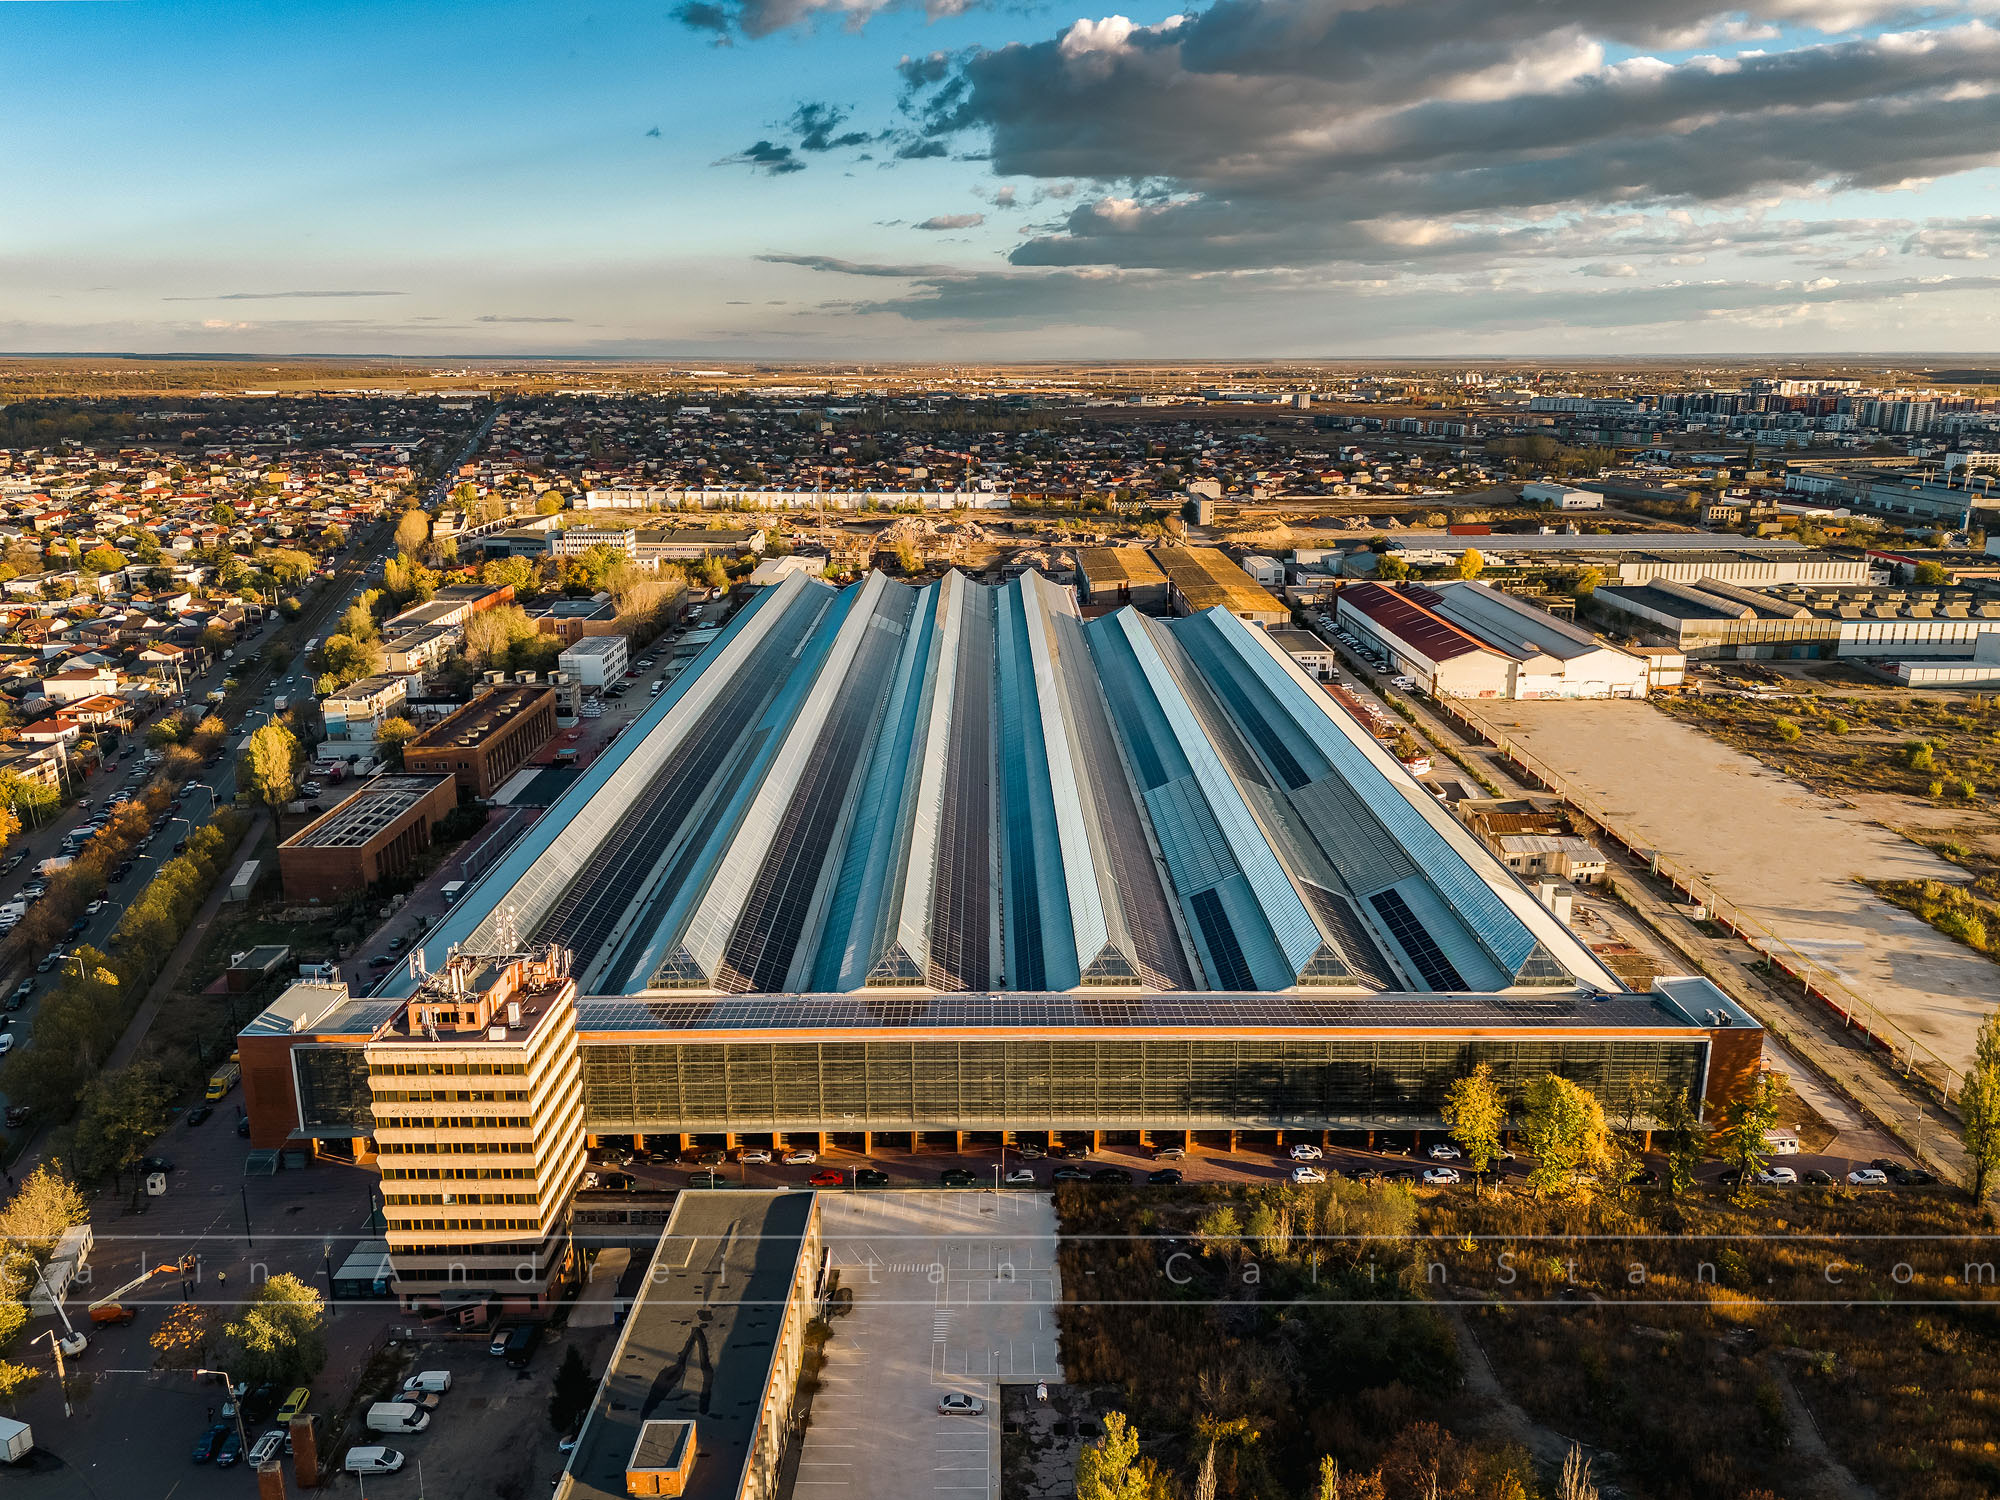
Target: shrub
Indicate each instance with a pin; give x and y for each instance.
(1787, 730)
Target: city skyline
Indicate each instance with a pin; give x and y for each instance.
(799, 179)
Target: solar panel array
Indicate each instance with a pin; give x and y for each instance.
(1122, 804)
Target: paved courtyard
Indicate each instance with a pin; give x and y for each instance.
(954, 1290)
(1782, 852)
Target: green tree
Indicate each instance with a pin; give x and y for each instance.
(1928, 575)
(103, 560)
(1111, 1469)
(1564, 1128)
(413, 529)
(492, 635)
(549, 503)
(281, 1337)
(392, 737)
(121, 1113)
(270, 766)
(1390, 567)
(43, 1206)
(405, 579)
(222, 513)
(1741, 1139)
(1979, 1112)
(572, 1393)
(1476, 1113)
(1682, 1136)
(517, 571)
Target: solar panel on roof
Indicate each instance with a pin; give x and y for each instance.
(1415, 941)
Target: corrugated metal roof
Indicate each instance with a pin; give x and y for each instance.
(1108, 567)
(969, 788)
(1207, 579)
(1402, 614)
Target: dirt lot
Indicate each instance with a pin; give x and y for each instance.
(1790, 856)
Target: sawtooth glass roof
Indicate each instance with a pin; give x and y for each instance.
(964, 789)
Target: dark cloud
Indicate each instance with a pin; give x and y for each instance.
(767, 157)
(277, 296)
(818, 128)
(922, 150)
(1288, 132)
(852, 267)
(761, 18)
(952, 221)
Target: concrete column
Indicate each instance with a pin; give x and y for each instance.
(867, 1143)
(1232, 1143)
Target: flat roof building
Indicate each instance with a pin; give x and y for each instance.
(358, 711)
(377, 832)
(737, 1274)
(489, 739)
(1710, 619)
(595, 661)
(571, 620)
(1121, 575)
(1203, 578)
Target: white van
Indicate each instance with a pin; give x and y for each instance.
(428, 1382)
(397, 1416)
(373, 1460)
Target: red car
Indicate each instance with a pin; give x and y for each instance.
(828, 1178)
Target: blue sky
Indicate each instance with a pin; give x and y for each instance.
(1263, 177)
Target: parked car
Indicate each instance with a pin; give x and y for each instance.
(831, 1177)
(958, 1404)
(1307, 1174)
(1305, 1151)
(1868, 1177)
(209, 1441)
(1072, 1174)
(1442, 1152)
(1169, 1153)
(1441, 1176)
(428, 1382)
(24, 990)
(199, 1114)
(1021, 1177)
(1165, 1177)
(373, 1460)
(267, 1446)
(1817, 1177)
(754, 1156)
(707, 1180)
(957, 1177)
(1029, 1151)
(1778, 1177)
(231, 1449)
(18, 1115)
(1069, 1151)
(801, 1156)
(156, 1164)
(1111, 1176)
(711, 1158)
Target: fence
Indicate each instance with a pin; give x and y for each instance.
(1814, 979)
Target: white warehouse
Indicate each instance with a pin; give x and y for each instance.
(1465, 640)
(1562, 496)
(596, 661)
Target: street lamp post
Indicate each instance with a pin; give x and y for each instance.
(229, 1388)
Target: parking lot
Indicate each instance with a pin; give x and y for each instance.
(490, 1434)
(953, 1292)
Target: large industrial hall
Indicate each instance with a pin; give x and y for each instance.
(891, 861)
